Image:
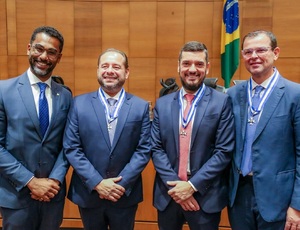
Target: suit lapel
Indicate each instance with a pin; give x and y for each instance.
(244, 107)
(270, 106)
(175, 108)
(200, 111)
(99, 110)
(26, 95)
(56, 101)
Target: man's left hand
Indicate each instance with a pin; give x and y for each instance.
(181, 190)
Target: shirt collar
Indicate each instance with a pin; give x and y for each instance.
(34, 79)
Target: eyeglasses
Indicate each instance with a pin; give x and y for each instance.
(260, 51)
(52, 54)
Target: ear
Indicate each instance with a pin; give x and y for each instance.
(28, 49)
(276, 52)
(207, 67)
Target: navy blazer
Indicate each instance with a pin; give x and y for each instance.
(23, 151)
(88, 149)
(212, 143)
(275, 149)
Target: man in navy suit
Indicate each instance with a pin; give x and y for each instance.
(32, 166)
(265, 175)
(108, 145)
(190, 183)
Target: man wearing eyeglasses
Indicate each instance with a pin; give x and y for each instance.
(33, 113)
(265, 179)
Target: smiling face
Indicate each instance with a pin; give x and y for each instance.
(111, 72)
(192, 69)
(43, 55)
(260, 64)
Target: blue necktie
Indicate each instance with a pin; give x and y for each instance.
(112, 124)
(43, 108)
(246, 166)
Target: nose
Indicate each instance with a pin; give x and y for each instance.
(254, 53)
(44, 55)
(192, 68)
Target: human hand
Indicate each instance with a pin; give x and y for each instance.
(292, 219)
(43, 189)
(190, 204)
(181, 191)
(108, 189)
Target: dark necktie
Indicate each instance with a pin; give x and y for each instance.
(43, 109)
(184, 141)
(112, 124)
(246, 166)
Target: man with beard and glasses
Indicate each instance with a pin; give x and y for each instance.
(33, 113)
(107, 141)
(192, 142)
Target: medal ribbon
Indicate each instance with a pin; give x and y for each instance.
(197, 98)
(111, 118)
(265, 95)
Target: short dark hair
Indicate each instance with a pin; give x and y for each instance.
(117, 51)
(194, 46)
(52, 32)
(273, 40)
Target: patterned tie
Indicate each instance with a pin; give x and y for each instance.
(184, 141)
(112, 124)
(43, 109)
(246, 166)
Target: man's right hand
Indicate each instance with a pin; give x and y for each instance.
(108, 189)
(43, 189)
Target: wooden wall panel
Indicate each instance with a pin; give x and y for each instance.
(11, 27)
(27, 21)
(170, 28)
(199, 26)
(146, 212)
(142, 30)
(60, 14)
(3, 29)
(88, 40)
(286, 27)
(115, 25)
(142, 77)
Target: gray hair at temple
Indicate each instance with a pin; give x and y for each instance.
(256, 33)
(194, 46)
(117, 51)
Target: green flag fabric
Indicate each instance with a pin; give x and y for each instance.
(230, 40)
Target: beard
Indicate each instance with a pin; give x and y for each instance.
(111, 87)
(39, 72)
(192, 87)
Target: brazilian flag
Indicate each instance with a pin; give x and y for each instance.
(230, 40)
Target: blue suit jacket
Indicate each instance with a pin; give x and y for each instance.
(23, 151)
(212, 143)
(88, 149)
(275, 149)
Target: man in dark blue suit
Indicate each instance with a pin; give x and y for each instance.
(192, 142)
(265, 175)
(108, 145)
(32, 166)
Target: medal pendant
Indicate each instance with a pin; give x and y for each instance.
(251, 121)
(183, 133)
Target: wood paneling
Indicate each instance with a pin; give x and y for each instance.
(142, 30)
(170, 28)
(151, 32)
